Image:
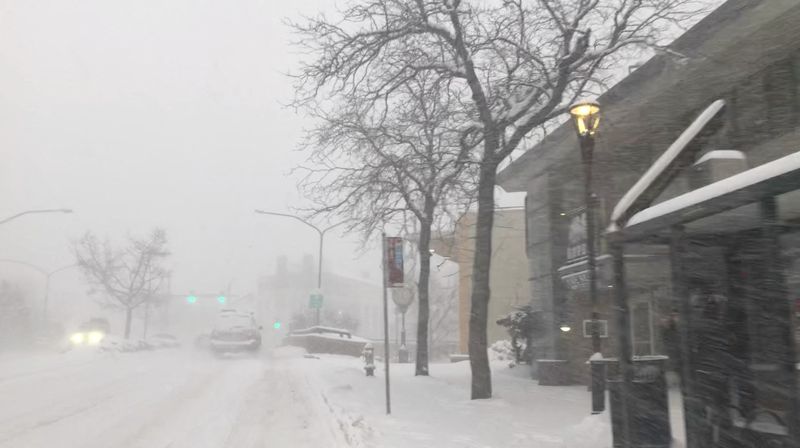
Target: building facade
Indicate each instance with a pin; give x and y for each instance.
(746, 53)
(285, 294)
(508, 276)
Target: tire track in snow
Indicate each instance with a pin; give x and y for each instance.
(280, 410)
(82, 412)
(54, 412)
(162, 410)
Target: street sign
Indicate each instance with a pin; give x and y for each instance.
(315, 301)
(403, 297)
(394, 261)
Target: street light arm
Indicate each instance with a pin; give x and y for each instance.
(30, 212)
(25, 263)
(37, 268)
(325, 230)
(63, 268)
(286, 215)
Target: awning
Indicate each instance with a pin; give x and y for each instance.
(725, 205)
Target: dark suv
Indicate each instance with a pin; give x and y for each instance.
(235, 331)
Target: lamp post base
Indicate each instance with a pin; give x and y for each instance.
(402, 355)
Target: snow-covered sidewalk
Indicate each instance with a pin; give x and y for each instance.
(436, 411)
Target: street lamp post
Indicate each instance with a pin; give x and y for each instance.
(47, 275)
(47, 288)
(31, 212)
(42, 271)
(586, 116)
(321, 233)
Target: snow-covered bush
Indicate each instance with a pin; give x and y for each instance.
(521, 324)
(501, 351)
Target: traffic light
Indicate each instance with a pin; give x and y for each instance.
(221, 298)
(277, 325)
(191, 298)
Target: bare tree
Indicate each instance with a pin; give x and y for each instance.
(517, 64)
(375, 166)
(125, 277)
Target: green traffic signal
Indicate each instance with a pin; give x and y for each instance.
(276, 325)
(221, 299)
(191, 298)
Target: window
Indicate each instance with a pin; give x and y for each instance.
(526, 220)
(587, 328)
(642, 328)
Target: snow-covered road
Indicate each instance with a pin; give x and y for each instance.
(161, 399)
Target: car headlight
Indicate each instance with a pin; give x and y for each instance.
(77, 338)
(95, 337)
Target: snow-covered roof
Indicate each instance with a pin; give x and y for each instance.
(663, 163)
(736, 182)
(358, 339)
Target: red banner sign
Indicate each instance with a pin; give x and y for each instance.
(394, 261)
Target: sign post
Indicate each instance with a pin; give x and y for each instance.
(384, 243)
(315, 302)
(402, 298)
(392, 262)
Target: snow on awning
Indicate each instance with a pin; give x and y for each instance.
(727, 154)
(663, 164)
(746, 184)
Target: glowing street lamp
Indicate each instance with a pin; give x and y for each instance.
(586, 117)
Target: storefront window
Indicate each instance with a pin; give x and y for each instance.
(642, 326)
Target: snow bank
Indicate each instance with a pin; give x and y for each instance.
(115, 344)
(436, 410)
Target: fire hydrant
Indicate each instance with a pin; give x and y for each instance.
(369, 359)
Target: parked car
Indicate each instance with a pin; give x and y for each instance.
(235, 331)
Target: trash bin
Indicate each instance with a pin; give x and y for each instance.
(648, 403)
(599, 375)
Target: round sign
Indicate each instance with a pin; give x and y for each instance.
(403, 297)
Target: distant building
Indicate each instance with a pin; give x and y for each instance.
(286, 293)
(509, 270)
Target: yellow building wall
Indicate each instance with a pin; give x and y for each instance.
(509, 272)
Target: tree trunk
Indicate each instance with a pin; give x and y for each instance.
(479, 302)
(423, 288)
(146, 319)
(128, 319)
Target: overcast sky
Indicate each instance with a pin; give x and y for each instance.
(148, 113)
(154, 113)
